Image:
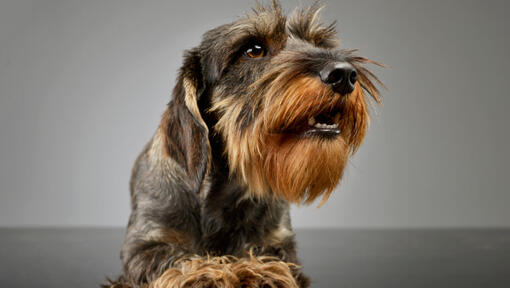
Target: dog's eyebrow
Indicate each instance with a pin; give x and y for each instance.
(263, 25)
(305, 24)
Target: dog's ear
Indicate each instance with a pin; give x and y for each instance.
(186, 134)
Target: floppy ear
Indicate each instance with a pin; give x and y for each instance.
(186, 134)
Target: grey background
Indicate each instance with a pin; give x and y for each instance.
(83, 85)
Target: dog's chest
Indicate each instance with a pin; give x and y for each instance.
(230, 222)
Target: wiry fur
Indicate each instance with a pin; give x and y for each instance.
(229, 272)
(295, 168)
(228, 157)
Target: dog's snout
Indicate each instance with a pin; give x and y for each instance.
(341, 76)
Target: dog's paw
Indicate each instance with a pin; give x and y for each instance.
(266, 272)
(198, 273)
(229, 272)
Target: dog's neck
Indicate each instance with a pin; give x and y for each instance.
(226, 207)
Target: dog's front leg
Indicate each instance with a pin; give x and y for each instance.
(145, 259)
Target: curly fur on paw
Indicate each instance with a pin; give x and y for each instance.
(229, 272)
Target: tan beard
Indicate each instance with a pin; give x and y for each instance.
(298, 169)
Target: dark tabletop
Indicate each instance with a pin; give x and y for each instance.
(332, 258)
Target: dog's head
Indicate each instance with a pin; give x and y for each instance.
(288, 105)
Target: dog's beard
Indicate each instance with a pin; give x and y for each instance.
(276, 156)
(302, 169)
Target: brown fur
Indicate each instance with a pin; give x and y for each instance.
(229, 272)
(292, 167)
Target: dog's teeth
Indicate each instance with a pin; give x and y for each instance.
(311, 121)
(324, 125)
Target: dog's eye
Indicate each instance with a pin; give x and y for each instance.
(255, 51)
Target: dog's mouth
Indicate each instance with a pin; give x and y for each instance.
(324, 125)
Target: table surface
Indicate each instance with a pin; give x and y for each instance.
(83, 257)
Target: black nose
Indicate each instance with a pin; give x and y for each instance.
(341, 76)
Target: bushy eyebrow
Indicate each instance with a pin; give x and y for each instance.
(304, 23)
(267, 24)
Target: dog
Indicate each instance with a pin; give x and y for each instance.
(266, 112)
